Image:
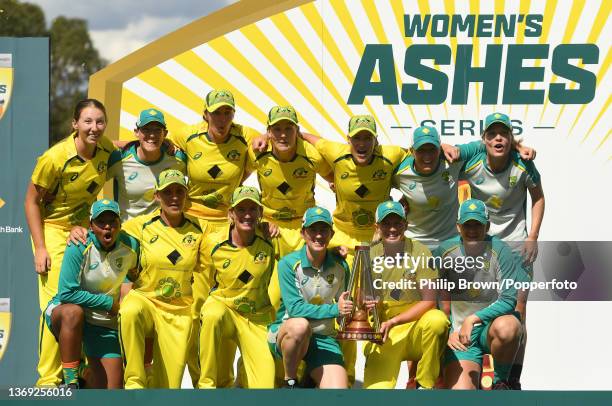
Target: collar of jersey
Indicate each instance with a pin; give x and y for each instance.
(161, 220)
(488, 239)
(327, 263)
(230, 242)
(134, 152)
(72, 151)
(511, 158)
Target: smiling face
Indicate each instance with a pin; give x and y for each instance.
(284, 136)
(245, 216)
(392, 228)
(317, 237)
(172, 199)
(426, 159)
(91, 125)
(473, 232)
(106, 228)
(219, 121)
(151, 136)
(498, 140)
(362, 147)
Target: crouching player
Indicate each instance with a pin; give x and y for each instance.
(413, 329)
(483, 320)
(84, 310)
(313, 289)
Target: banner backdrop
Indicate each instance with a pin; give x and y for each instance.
(444, 63)
(24, 134)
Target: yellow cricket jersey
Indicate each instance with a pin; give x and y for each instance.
(406, 278)
(359, 189)
(240, 275)
(287, 188)
(214, 170)
(72, 182)
(168, 258)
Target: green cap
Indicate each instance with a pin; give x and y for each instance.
(278, 113)
(473, 209)
(497, 118)
(425, 135)
(245, 193)
(360, 123)
(389, 207)
(316, 214)
(103, 205)
(170, 176)
(219, 98)
(149, 116)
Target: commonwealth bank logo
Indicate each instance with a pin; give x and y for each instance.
(6, 82)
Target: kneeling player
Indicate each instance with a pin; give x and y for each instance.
(414, 329)
(482, 309)
(313, 288)
(84, 311)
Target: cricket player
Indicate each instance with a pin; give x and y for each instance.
(313, 284)
(159, 305)
(483, 319)
(85, 308)
(64, 184)
(413, 328)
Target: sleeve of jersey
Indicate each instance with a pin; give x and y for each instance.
(113, 161)
(45, 173)
(470, 150)
(506, 302)
(394, 153)
(180, 138)
(249, 133)
(329, 150)
(322, 167)
(533, 176)
(293, 300)
(133, 227)
(69, 288)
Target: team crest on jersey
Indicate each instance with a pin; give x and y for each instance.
(119, 262)
(300, 173)
(479, 180)
(267, 172)
(446, 177)
(512, 181)
(330, 279)
(189, 240)
(412, 185)
(101, 167)
(344, 175)
(244, 305)
(226, 263)
(362, 217)
(379, 175)
(6, 81)
(233, 155)
(197, 156)
(133, 176)
(260, 257)
(152, 240)
(168, 288)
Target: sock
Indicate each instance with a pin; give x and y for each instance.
(515, 373)
(501, 372)
(71, 372)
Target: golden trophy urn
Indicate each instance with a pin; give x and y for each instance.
(356, 326)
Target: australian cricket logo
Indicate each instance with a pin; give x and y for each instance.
(189, 240)
(330, 279)
(233, 155)
(6, 82)
(446, 177)
(379, 175)
(512, 181)
(300, 173)
(119, 262)
(260, 257)
(101, 167)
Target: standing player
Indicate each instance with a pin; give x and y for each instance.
(238, 308)
(313, 284)
(501, 178)
(64, 184)
(85, 307)
(413, 328)
(483, 320)
(159, 305)
(216, 152)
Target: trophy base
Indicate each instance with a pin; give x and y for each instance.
(360, 335)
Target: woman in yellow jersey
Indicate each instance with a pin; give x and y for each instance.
(216, 152)
(238, 308)
(159, 305)
(64, 184)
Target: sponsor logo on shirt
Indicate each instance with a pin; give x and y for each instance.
(133, 176)
(197, 156)
(93, 266)
(267, 172)
(226, 263)
(152, 240)
(168, 288)
(344, 175)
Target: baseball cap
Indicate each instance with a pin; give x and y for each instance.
(149, 116)
(278, 113)
(473, 209)
(316, 214)
(425, 135)
(360, 123)
(389, 207)
(245, 193)
(219, 98)
(170, 176)
(497, 118)
(103, 205)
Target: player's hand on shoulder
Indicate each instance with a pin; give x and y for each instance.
(260, 143)
(77, 235)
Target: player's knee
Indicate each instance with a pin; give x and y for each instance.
(72, 315)
(211, 316)
(435, 322)
(298, 328)
(506, 329)
(129, 311)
